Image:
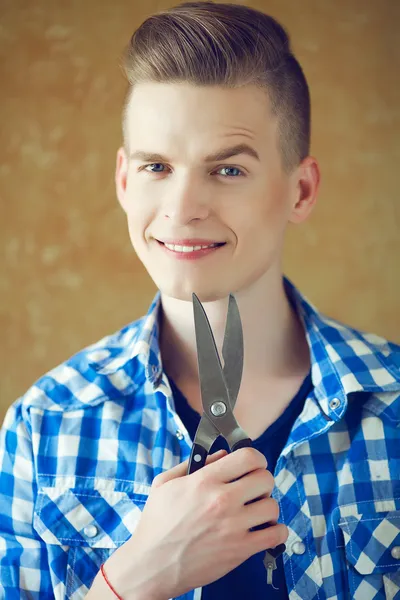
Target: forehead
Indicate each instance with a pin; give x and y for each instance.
(171, 111)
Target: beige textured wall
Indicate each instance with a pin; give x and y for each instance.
(69, 274)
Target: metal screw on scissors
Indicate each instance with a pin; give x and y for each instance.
(219, 390)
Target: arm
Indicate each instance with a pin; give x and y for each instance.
(132, 580)
(101, 591)
(24, 571)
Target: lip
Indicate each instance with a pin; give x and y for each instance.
(189, 242)
(190, 256)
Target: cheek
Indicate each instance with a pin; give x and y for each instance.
(137, 227)
(268, 214)
(140, 213)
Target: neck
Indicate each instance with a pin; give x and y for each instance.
(275, 346)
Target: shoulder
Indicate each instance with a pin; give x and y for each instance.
(96, 373)
(365, 363)
(345, 351)
(361, 351)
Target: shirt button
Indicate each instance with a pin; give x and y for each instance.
(90, 531)
(179, 434)
(335, 403)
(298, 548)
(396, 552)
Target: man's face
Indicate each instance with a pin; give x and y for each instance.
(239, 204)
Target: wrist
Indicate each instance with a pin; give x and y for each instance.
(109, 584)
(132, 583)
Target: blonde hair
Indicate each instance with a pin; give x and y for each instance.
(232, 45)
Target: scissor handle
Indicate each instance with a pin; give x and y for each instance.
(244, 443)
(197, 460)
(198, 455)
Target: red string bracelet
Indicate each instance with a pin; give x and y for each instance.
(108, 583)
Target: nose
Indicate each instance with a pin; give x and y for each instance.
(186, 201)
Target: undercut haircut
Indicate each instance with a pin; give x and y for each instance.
(229, 45)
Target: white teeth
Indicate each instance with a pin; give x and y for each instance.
(176, 248)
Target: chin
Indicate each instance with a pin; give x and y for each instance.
(183, 290)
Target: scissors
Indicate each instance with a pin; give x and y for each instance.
(219, 387)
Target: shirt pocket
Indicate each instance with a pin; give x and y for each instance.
(372, 548)
(81, 529)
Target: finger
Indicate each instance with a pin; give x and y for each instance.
(257, 541)
(181, 469)
(260, 512)
(237, 464)
(216, 455)
(212, 458)
(253, 486)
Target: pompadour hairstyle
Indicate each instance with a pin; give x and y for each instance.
(231, 45)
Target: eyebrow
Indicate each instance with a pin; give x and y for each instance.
(222, 154)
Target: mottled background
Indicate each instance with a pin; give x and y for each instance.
(69, 274)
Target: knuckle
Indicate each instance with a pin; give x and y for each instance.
(246, 455)
(252, 458)
(273, 536)
(218, 504)
(278, 534)
(262, 460)
(273, 509)
(158, 480)
(266, 480)
(285, 533)
(269, 479)
(202, 482)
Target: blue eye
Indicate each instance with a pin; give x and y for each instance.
(155, 164)
(231, 169)
(231, 172)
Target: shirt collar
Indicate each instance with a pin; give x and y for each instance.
(343, 360)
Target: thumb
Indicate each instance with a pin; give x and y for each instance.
(181, 469)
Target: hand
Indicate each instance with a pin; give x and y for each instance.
(194, 529)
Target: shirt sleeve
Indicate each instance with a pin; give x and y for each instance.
(24, 569)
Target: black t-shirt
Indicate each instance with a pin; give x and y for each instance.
(249, 580)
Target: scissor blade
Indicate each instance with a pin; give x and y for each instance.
(232, 350)
(212, 383)
(206, 433)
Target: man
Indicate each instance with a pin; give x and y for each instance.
(95, 501)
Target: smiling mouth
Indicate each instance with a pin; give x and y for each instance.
(185, 249)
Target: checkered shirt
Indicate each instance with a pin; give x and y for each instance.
(79, 452)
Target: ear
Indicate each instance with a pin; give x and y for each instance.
(306, 180)
(121, 176)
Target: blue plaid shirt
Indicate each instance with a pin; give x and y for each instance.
(80, 449)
